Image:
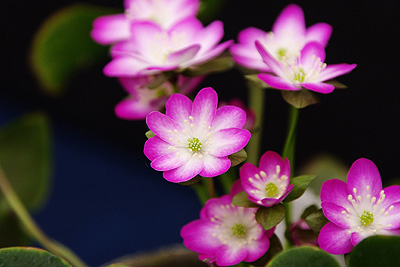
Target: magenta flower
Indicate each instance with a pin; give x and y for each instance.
(152, 50)
(306, 71)
(269, 184)
(288, 36)
(111, 29)
(142, 100)
(195, 138)
(250, 114)
(358, 209)
(226, 234)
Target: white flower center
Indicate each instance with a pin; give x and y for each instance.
(295, 72)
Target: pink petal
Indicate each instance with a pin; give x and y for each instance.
(322, 88)
(290, 22)
(125, 48)
(358, 237)
(393, 217)
(334, 213)
(204, 107)
(188, 27)
(132, 109)
(213, 206)
(258, 248)
(335, 191)
(214, 166)
(247, 171)
(205, 56)
(392, 195)
(229, 117)
(185, 172)
(249, 35)
(169, 161)
(332, 71)
(110, 29)
(251, 63)
(210, 36)
(145, 35)
(267, 202)
(230, 255)
(155, 147)
(161, 125)
(364, 173)
(132, 84)
(310, 52)
(334, 240)
(178, 107)
(320, 32)
(187, 84)
(183, 55)
(270, 160)
(278, 82)
(236, 188)
(269, 60)
(197, 236)
(229, 141)
(124, 67)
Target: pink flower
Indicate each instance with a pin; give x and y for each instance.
(142, 100)
(269, 184)
(288, 36)
(358, 209)
(152, 49)
(226, 234)
(111, 29)
(306, 71)
(250, 114)
(195, 138)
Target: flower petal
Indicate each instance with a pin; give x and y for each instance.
(257, 248)
(155, 147)
(178, 107)
(392, 195)
(185, 172)
(169, 161)
(132, 109)
(320, 32)
(269, 162)
(392, 219)
(335, 191)
(162, 125)
(268, 59)
(110, 29)
(183, 55)
(124, 66)
(197, 236)
(145, 36)
(332, 71)
(364, 173)
(322, 88)
(210, 36)
(290, 22)
(278, 82)
(230, 255)
(214, 166)
(204, 107)
(310, 53)
(334, 240)
(229, 117)
(229, 141)
(334, 213)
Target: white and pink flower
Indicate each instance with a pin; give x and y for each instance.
(195, 138)
(111, 29)
(225, 234)
(358, 209)
(269, 184)
(288, 37)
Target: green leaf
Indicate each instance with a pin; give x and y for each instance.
(376, 251)
(304, 256)
(27, 256)
(62, 46)
(300, 185)
(301, 98)
(275, 246)
(209, 9)
(149, 134)
(338, 85)
(238, 157)
(12, 233)
(308, 211)
(240, 199)
(159, 80)
(316, 220)
(219, 64)
(256, 82)
(25, 157)
(192, 181)
(271, 216)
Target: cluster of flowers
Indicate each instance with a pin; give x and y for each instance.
(153, 44)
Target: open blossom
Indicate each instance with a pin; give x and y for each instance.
(268, 184)
(308, 70)
(111, 29)
(226, 234)
(358, 209)
(195, 138)
(288, 36)
(142, 100)
(152, 49)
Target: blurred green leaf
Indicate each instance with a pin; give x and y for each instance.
(338, 85)
(300, 185)
(256, 82)
(62, 46)
(376, 251)
(238, 157)
(25, 157)
(219, 64)
(304, 256)
(12, 232)
(209, 9)
(301, 98)
(316, 220)
(241, 199)
(27, 256)
(149, 134)
(271, 216)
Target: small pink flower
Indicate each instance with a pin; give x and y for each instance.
(152, 49)
(225, 234)
(358, 209)
(306, 71)
(269, 184)
(195, 138)
(288, 36)
(301, 234)
(142, 100)
(111, 29)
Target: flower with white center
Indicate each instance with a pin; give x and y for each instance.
(269, 184)
(358, 209)
(143, 100)
(226, 234)
(288, 36)
(152, 49)
(195, 138)
(308, 70)
(111, 29)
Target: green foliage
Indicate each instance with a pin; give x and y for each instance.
(300, 185)
(241, 199)
(62, 46)
(301, 98)
(271, 216)
(27, 256)
(376, 251)
(316, 220)
(304, 256)
(149, 134)
(209, 9)
(238, 157)
(275, 247)
(219, 64)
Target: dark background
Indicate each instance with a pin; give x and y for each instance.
(107, 202)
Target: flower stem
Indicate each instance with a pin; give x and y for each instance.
(256, 102)
(32, 228)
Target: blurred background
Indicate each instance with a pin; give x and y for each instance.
(105, 201)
